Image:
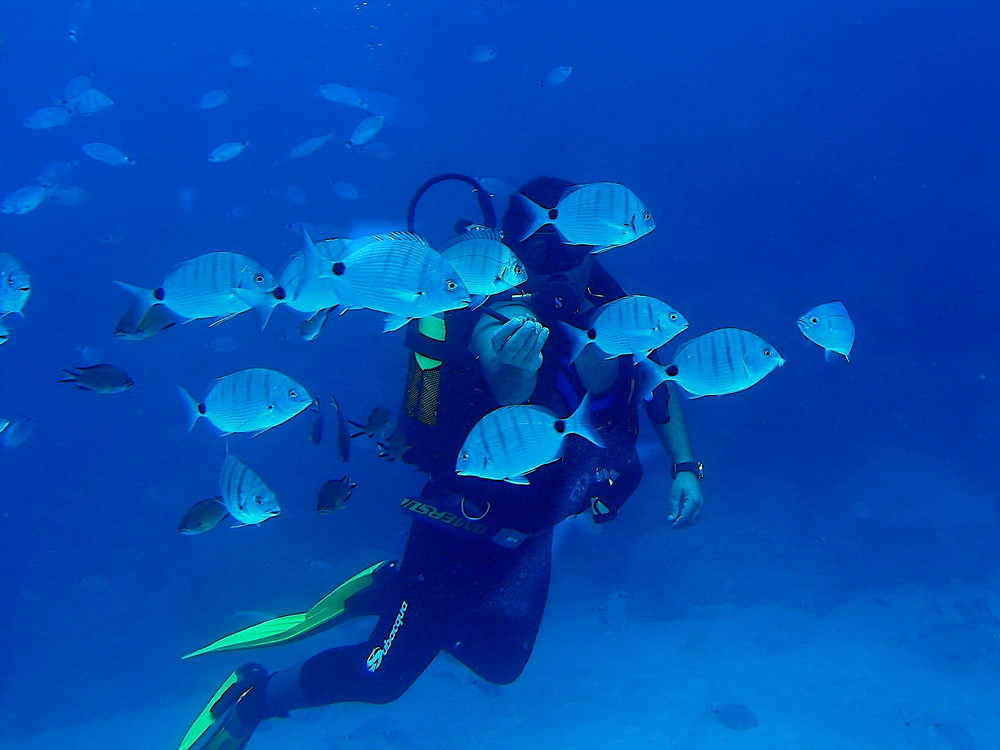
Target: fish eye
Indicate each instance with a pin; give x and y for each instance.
(258, 499)
(464, 456)
(767, 352)
(673, 316)
(518, 269)
(814, 320)
(259, 278)
(292, 393)
(452, 286)
(647, 216)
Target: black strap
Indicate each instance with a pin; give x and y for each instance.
(485, 204)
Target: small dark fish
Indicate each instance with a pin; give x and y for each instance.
(203, 516)
(377, 421)
(343, 432)
(132, 328)
(316, 434)
(334, 494)
(394, 447)
(735, 716)
(99, 379)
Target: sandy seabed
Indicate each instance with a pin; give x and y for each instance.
(905, 668)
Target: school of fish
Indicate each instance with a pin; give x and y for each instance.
(397, 274)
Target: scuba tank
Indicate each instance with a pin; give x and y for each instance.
(441, 369)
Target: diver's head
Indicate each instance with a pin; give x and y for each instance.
(558, 273)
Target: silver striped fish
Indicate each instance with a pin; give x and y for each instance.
(485, 264)
(309, 146)
(15, 285)
(214, 285)
(244, 494)
(252, 400)
(513, 441)
(603, 214)
(398, 274)
(227, 151)
(635, 324)
(830, 326)
(716, 363)
(365, 131)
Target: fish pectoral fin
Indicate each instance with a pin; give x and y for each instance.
(394, 323)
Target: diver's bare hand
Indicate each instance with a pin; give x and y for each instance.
(685, 500)
(518, 343)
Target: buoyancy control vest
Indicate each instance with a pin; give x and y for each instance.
(446, 393)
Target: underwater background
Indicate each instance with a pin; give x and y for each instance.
(842, 583)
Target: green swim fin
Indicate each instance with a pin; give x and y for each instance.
(219, 726)
(324, 613)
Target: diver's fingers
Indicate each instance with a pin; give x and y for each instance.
(504, 333)
(690, 508)
(523, 343)
(543, 336)
(537, 343)
(503, 339)
(534, 358)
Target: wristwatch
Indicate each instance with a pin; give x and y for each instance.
(695, 467)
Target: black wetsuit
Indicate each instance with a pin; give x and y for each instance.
(460, 592)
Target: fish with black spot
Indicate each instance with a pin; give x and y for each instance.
(512, 441)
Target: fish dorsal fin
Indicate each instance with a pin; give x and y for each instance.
(572, 189)
(474, 232)
(363, 242)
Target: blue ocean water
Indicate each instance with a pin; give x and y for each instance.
(791, 152)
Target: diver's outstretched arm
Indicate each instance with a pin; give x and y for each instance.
(510, 353)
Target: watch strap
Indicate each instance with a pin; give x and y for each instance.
(695, 467)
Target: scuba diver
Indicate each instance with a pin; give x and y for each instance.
(474, 576)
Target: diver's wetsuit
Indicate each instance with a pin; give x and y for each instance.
(474, 599)
(464, 594)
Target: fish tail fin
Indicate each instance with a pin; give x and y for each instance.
(193, 409)
(580, 424)
(578, 340)
(311, 262)
(538, 216)
(649, 376)
(312, 266)
(263, 309)
(142, 299)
